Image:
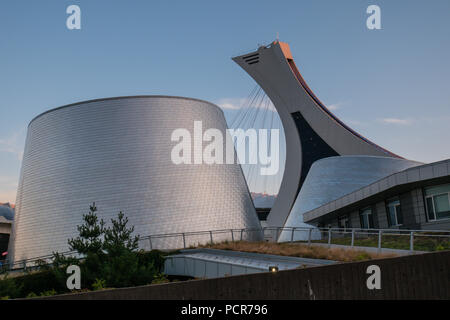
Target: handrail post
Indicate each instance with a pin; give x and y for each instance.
(150, 241)
(211, 237)
(292, 235)
(309, 236)
(232, 235)
(353, 237)
(242, 231)
(329, 237)
(411, 241)
(184, 241)
(379, 240)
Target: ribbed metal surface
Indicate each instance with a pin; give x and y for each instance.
(116, 152)
(334, 177)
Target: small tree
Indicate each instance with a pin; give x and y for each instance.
(90, 234)
(109, 255)
(118, 238)
(89, 245)
(122, 267)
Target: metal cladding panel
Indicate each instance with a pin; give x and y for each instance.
(331, 178)
(117, 152)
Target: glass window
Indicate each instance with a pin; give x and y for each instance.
(430, 208)
(442, 206)
(391, 215)
(366, 218)
(441, 203)
(438, 202)
(394, 212)
(443, 188)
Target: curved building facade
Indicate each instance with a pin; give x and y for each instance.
(331, 178)
(116, 152)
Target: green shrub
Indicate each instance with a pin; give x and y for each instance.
(154, 257)
(99, 284)
(41, 282)
(47, 293)
(9, 288)
(160, 278)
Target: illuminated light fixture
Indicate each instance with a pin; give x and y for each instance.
(273, 268)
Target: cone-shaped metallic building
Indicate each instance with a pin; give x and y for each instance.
(116, 152)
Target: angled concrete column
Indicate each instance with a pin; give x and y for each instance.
(312, 131)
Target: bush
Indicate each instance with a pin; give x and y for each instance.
(154, 257)
(41, 282)
(47, 293)
(160, 278)
(99, 284)
(9, 288)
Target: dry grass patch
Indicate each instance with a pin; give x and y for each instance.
(298, 250)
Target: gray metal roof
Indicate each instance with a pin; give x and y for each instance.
(250, 259)
(212, 263)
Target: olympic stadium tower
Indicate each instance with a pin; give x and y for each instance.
(116, 152)
(313, 134)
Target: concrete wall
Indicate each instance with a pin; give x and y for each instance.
(418, 203)
(382, 219)
(355, 222)
(409, 210)
(5, 228)
(437, 225)
(423, 276)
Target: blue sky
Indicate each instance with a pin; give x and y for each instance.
(391, 85)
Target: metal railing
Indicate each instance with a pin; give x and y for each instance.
(359, 237)
(353, 237)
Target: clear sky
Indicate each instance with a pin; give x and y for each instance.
(391, 85)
